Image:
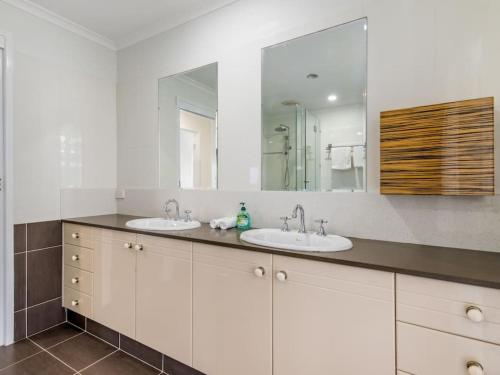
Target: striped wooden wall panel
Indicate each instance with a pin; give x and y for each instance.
(442, 149)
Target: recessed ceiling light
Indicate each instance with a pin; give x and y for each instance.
(312, 76)
(332, 98)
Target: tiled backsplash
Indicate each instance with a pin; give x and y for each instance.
(37, 277)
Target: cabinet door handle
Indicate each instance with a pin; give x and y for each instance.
(75, 258)
(127, 245)
(75, 302)
(475, 368)
(281, 275)
(75, 235)
(75, 280)
(259, 271)
(474, 313)
(139, 247)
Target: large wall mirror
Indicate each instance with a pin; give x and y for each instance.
(187, 105)
(314, 111)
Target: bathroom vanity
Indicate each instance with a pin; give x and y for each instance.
(224, 307)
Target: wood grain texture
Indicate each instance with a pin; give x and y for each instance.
(441, 149)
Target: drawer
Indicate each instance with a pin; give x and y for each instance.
(460, 309)
(79, 235)
(78, 302)
(79, 257)
(423, 351)
(78, 279)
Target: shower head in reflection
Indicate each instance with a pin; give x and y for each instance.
(282, 128)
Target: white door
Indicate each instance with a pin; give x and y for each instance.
(114, 280)
(187, 145)
(163, 298)
(232, 311)
(332, 319)
(2, 200)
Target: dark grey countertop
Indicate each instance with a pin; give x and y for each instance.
(463, 266)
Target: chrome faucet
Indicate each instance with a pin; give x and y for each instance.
(302, 225)
(167, 210)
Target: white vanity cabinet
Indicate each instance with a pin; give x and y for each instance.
(447, 328)
(332, 319)
(78, 269)
(232, 311)
(164, 295)
(114, 280)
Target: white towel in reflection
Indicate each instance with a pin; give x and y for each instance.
(358, 156)
(341, 158)
(223, 222)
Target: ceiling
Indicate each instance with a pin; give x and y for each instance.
(336, 55)
(126, 22)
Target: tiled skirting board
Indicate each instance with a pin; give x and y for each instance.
(37, 277)
(150, 356)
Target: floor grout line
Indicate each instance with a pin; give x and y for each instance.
(65, 340)
(21, 360)
(52, 355)
(99, 338)
(44, 330)
(150, 365)
(103, 358)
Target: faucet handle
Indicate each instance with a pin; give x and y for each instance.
(284, 226)
(322, 227)
(187, 219)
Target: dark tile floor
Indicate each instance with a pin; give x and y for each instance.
(66, 349)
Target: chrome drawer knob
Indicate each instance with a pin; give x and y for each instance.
(475, 368)
(259, 272)
(75, 302)
(75, 235)
(281, 275)
(127, 245)
(75, 280)
(138, 247)
(474, 313)
(75, 258)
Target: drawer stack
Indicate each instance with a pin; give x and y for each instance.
(78, 276)
(447, 328)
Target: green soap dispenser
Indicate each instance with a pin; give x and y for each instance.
(243, 220)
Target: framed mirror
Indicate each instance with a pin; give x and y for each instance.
(314, 111)
(187, 104)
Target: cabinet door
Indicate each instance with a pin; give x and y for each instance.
(423, 351)
(332, 319)
(114, 281)
(164, 295)
(232, 311)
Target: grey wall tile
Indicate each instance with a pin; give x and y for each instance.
(141, 351)
(44, 275)
(44, 234)
(19, 238)
(19, 325)
(44, 316)
(19, 281)
(103, 332)
(171, 366)
(76, 319)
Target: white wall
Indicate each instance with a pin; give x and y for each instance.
(419, 52)
(64, 89)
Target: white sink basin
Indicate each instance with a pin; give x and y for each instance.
(162, 224)
(296, 241)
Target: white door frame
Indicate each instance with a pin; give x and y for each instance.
(7, 221)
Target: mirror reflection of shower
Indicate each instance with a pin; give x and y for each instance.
(314, 111)
(285, 129)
